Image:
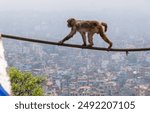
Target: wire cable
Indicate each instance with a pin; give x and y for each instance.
(127, 50)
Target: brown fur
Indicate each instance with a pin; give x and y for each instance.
(89, 27)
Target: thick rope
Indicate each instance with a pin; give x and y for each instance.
(127, 50)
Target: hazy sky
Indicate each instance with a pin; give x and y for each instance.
(63, 5)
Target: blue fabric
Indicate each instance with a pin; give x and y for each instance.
(3, 92)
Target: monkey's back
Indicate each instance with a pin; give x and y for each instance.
(87, 26)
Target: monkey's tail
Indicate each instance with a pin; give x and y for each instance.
(105, 26)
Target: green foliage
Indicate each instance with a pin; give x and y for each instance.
(25, 84)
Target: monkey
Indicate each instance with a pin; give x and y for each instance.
(89, 28)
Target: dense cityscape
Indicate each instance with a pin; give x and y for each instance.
(76, 72)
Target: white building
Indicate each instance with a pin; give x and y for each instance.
(4, 78)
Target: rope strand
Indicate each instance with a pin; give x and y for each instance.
(127, 50)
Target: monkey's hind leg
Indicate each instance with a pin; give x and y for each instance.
(90, 39)
(104, 37)
(107, 40)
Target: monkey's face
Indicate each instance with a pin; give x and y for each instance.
(71, 22)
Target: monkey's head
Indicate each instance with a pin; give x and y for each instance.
(71, 22)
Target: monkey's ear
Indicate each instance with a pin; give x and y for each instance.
(71, 22)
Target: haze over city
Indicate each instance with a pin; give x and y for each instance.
(73, 5)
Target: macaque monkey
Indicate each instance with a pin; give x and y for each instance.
(89, 28)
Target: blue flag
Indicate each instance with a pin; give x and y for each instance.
(3, 92)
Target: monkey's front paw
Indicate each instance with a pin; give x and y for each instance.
(60, 42)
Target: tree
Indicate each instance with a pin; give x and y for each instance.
(25, 84)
